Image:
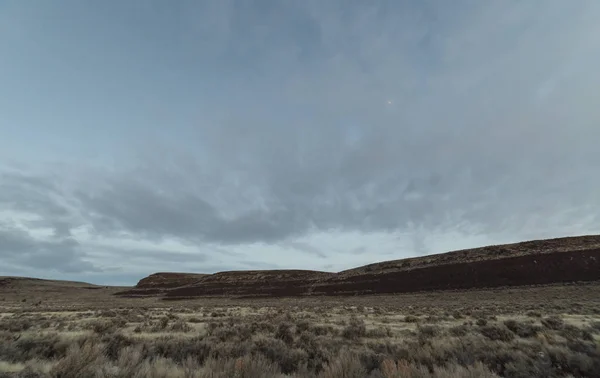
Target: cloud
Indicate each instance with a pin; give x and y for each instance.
(311, 134)
(306, 248)
(20, 249)
(155, 256)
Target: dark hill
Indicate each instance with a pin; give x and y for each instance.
(236, 283)
(168, 280)
(27, 282)
(528, 263)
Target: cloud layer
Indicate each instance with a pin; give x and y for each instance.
(313, 135)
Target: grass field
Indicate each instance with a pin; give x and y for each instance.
(53, 331)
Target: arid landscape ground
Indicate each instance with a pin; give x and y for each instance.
(70, 329)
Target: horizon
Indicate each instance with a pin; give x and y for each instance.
(144, 137)
(291, 269)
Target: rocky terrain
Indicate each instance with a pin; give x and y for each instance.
(537, 262)
(168, 280)
(235, 283)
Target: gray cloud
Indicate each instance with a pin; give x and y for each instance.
(462, 119)
(40, 194)
(306, 248)
(469, 196)
(63, 255)
(358, 251)
(259, 265)
(145, 211)
(466, 197)
(152, 256)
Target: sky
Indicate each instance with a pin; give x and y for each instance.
(199, 136)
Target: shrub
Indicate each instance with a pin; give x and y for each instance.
(459, 331)
(291, 345)
(180, 326)
(571, 332)
(262, 327)
(45, 347)
(478, 370)
(481, 322)
(379, 332)
(85, 361)
(276, 351)
(119, 322)
(15, 325)
(320, 330)
(179, 350)
(522, 329)
(346, 365)
(101, 326)
(433, 319)
(428, 331)
(595, 326)
(355, 329)
(574, 363)
(162, 323)
(316, 352)
(402, 368)
(157, 368)
(497, 332)
(114, 344)
(302, 326)
(411, 319)
(245, 331)
(128, 362)
(230, 349)
(224, 333)
(245, 367)
(212, 327)
(553, 322)
(108, 314)
(284, 333)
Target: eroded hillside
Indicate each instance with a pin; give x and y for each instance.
(528, 263)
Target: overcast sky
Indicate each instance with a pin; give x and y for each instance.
(140, 136)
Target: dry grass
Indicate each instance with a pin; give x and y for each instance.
(453, 334)
(281, 342)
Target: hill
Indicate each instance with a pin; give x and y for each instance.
(236, 283)
(8, 282)
(520, 264)
(35, 291)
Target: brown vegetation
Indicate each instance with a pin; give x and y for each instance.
(530, 263)
(255, 283)
(168, 280)
(301, 341)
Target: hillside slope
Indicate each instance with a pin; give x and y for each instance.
(492, 252)
(236, 283)
(8, 282)
(528, 263)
